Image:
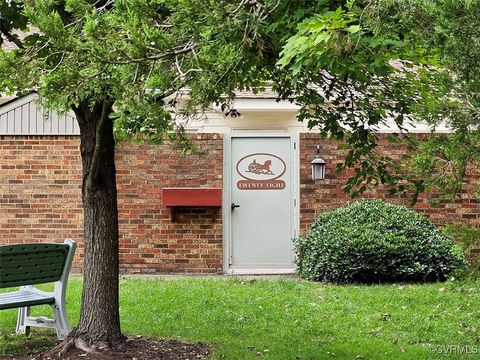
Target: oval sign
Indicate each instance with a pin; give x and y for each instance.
(261, 166)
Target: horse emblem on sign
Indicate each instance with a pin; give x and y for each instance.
(258, 168)
(261, 171)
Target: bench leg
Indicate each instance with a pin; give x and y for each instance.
(59, 322)
(62, 326)
(23, 314)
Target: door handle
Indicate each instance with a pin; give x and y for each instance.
(234, 206)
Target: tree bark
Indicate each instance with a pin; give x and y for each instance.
(99, 317)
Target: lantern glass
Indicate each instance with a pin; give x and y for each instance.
(318, 169)
(318, 166)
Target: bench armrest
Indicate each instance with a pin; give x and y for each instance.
(61, 285)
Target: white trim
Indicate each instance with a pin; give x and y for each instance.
(296, 187)
(260, 104)
(282, 271)
(280, 131)
(227, 200)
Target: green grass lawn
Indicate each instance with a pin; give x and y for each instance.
(290, 319)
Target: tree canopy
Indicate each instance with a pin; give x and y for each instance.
(119, 65)
(137, 54)
(443, 35)
(356, 65)
(352, 66)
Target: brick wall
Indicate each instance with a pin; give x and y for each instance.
(40, 185)
(40, 198)
(323, 195)
(149, 241)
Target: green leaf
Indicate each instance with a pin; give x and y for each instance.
(322, 37)
(353, 29)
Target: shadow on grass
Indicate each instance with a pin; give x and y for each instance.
(11, 345)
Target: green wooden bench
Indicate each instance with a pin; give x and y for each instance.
(25, 265)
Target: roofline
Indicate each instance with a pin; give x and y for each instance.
(17, 98)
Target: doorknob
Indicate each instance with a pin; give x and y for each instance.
(234, 206)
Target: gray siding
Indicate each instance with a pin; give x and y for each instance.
(24, 117)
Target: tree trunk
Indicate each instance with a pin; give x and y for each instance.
(99, 317)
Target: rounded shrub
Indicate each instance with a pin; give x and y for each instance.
(373, 242)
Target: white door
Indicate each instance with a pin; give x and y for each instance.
(261, 203)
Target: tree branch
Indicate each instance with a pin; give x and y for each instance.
(11, 37)
(146, 58)
(271, 11)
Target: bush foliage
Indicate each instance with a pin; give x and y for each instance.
(373, 242)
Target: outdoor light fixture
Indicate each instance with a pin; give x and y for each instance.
(318, 166)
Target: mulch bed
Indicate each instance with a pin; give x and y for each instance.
(139, 348)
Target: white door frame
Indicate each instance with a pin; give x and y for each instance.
(227, 199)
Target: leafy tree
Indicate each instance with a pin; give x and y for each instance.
(356, 64)
(443, 34)
(122, 63)
(343, 75)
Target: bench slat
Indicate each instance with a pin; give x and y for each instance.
(31, 258)
(31, 248)
(24, 273)
(31, 254)
(52, 264)
(30, 264)
(23, 298)
(30, 278)
(12, 266)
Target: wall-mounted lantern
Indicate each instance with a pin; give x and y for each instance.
(318, 166)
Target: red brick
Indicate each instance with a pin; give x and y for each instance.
(40, 191)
